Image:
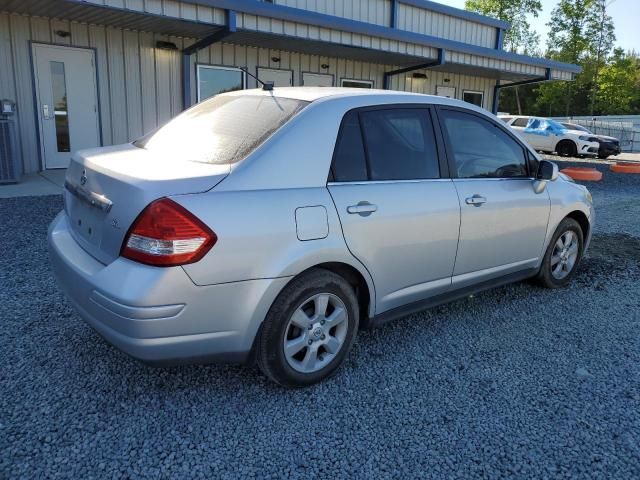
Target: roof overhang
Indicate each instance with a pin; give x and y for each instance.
(81, 11)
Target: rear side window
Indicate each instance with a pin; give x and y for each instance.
(400, 144)
(349, 163)
(386, 144)
(221, 130)
(520, 122)
(481, 149)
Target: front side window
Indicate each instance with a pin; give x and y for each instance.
(520, 122)
(222, 129)
(400, 144)
(214, 80)
(481, 149)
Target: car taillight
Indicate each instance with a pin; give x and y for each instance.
(166, 234)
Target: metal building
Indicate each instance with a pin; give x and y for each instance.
(84, 73)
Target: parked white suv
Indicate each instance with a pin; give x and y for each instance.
(547, 135)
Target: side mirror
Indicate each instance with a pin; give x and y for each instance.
(547, 170)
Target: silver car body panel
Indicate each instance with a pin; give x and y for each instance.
(276, 216)
(391, 242)
(507, 229)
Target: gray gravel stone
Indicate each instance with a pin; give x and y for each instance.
(484, 387)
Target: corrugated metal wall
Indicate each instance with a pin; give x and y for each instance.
(374, 11)
(423, 21)
(370, 11)
(140, 85)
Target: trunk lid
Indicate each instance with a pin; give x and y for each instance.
(107, 188)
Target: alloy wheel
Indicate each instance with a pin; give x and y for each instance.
(564, 255)
(315, 333)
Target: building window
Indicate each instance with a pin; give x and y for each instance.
(351, 83)
(213, 80)
(470, 96)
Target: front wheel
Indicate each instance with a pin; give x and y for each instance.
(566, 148)
(309, 329)
(563, 255)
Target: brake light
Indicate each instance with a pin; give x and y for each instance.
(166, 234)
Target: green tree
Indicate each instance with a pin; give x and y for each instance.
(520, 37)
(619, 84)
(580, 32)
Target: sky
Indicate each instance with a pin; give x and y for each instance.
(625, 14)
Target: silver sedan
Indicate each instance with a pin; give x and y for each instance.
(271, 226)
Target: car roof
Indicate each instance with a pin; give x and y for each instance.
(311, 94)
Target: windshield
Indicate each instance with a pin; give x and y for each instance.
(222, 129)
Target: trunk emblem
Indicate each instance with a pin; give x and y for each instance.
(83, 177)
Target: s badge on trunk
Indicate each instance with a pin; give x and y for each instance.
(83, 177)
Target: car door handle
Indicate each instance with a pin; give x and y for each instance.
(364, 209)
(476, 200)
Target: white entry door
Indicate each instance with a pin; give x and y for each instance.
(317, 80)
(67, 101)
(279, 78)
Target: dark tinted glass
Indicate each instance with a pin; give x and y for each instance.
(400, 144)
(348, 158)
(482, 149)
(520, 122)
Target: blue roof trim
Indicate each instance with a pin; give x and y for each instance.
(457, 12)
(298, 15)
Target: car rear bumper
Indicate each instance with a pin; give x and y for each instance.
(158, 315)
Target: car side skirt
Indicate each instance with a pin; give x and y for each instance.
(447, 297)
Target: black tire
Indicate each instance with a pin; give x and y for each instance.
(566, 148)
(270, 354)
(545, 276)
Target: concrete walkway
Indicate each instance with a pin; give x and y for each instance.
(49, 182)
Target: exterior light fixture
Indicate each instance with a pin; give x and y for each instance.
(162, 45)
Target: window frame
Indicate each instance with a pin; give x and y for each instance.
(440, 147)
(480, 92)
(448, 149)
(371, 83)
(210, 66)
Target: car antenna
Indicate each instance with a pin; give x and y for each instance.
(267, 86)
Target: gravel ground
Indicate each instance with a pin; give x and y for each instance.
(515, 382)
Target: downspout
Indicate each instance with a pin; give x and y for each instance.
(497, 87)
(439, 61)
(215, 37)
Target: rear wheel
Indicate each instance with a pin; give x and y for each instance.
(309, 329)
(563, 255)
(566, 148)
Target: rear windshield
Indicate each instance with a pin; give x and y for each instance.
(221, 130)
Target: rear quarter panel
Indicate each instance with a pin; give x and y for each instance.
(257, 235)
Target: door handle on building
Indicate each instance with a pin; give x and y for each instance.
(364, 209)
(476, 200)
(45, 112)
